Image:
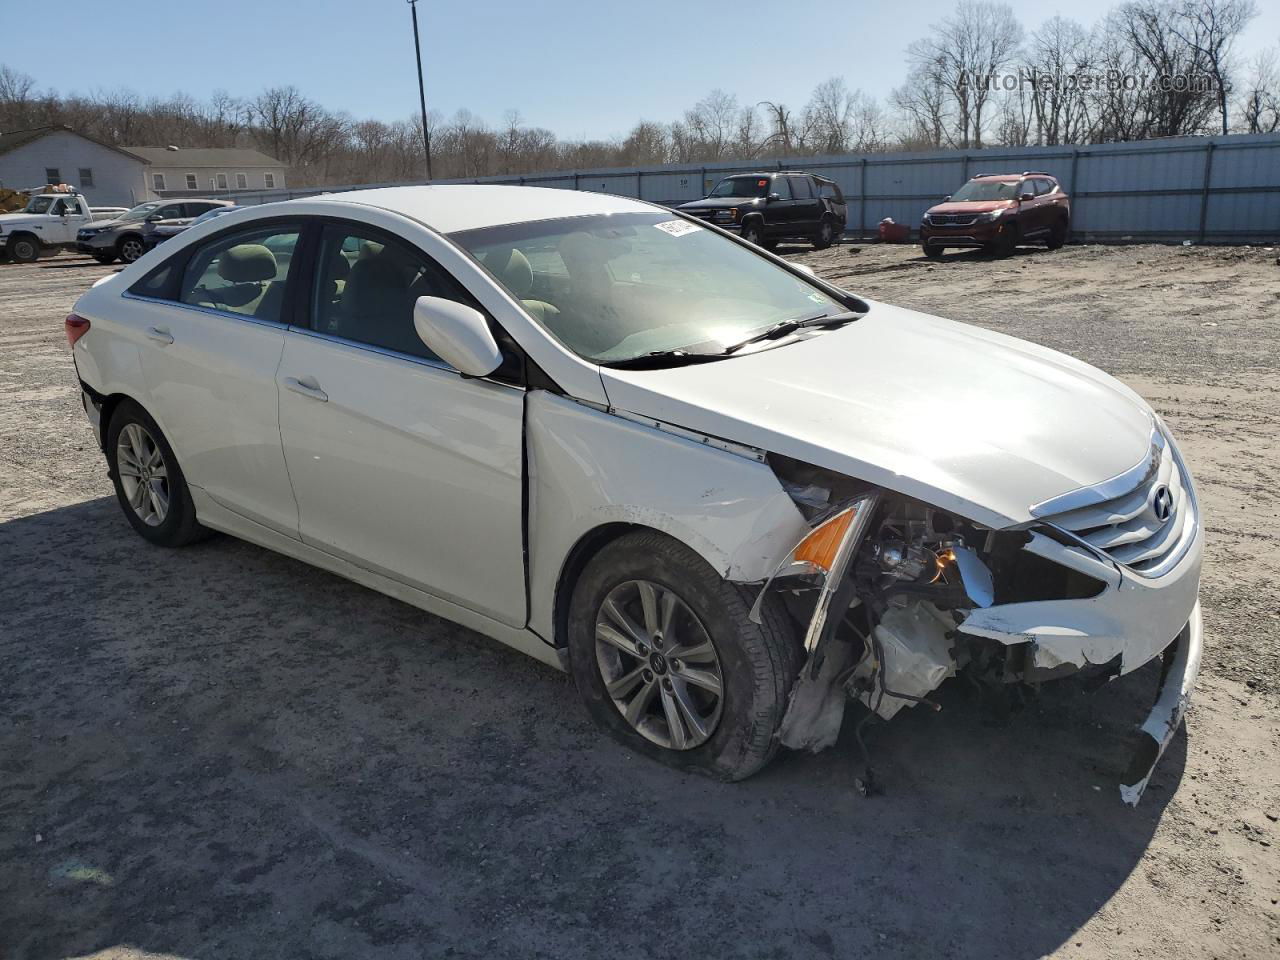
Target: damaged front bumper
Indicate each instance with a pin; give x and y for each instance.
(911, 647)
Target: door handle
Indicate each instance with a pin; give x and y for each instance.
(160, 336)
(311, 389)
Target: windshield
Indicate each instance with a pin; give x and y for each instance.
(140, 211)
(616, 287)
(986, 190)
(742, 187)
(40, 204)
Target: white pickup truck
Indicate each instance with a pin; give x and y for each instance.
(46, 227)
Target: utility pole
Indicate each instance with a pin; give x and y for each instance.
(422, 90)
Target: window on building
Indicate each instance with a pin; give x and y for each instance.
(52, 175)
(157, 181)
(270, 180)
(86, 177)
(192, 182)
(242, 181)
(222, 181)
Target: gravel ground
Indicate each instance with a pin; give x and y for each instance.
(220, 752)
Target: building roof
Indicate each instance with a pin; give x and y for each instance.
(452, 207)
(198, 157)
(19, 138)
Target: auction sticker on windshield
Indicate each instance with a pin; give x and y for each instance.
(677, 228)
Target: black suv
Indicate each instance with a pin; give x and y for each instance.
(767, 207)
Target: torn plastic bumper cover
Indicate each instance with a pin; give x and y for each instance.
(916, 636)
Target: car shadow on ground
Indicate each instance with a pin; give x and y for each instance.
(218, 751)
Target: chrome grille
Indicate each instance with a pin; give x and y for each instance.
(1144, 519)
(952, 219)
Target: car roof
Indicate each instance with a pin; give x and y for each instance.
(449, 208)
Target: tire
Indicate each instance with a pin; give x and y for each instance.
(933, 253)
(165, 514)
(1058, 235)
(129, 248)
(827, 234)
(1008, 241)
(753, 232)
(24, 249)
(734, 733)
(104, 258)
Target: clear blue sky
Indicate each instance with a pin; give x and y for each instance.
(582, 69)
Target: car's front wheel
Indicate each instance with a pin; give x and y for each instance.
(105, 258)
(129, 249)
(667, 660)
(753, 232)
(24, 249)
(149, 483)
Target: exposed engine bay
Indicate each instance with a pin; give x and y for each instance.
(889, 612)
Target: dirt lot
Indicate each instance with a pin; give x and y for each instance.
(219, 752)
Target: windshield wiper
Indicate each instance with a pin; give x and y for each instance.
(785, 328)
(661, 358)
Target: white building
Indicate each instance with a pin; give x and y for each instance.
(107, 176)
(124, 176)
(208, 172)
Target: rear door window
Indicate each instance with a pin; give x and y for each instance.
(244, 273)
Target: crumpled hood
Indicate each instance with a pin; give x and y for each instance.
(968, 420)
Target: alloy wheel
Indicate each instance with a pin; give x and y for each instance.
(131, 250)
(659, 665)
(143, 474)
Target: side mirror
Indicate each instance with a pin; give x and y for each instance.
(773, 196)
(154, 218)
(946, 198)
(1026, 196)
(458, 335)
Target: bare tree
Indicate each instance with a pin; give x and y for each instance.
(1259, 97)
(1175, 100)
(964, 55)
(1210, 28)
(1059, 58)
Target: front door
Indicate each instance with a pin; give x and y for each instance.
(210, 343)
(400, 464)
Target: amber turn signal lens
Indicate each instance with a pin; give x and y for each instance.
(820, 547)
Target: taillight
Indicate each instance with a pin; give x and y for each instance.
(76, 326)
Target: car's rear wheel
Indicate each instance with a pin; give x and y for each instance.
(149, 483)
(753, 232)
(24, 249)
(668, 662)
(1057, 235)
(129, 249)
(826, 235)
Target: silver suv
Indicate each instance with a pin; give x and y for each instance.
(121, 238)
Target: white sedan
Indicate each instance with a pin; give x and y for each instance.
(726, 495)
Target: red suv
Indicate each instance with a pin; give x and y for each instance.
(997, 212)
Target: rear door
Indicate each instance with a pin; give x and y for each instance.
(808, 208)
(400, 464)
(210, 325)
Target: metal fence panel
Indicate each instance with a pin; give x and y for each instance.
(1220, 189)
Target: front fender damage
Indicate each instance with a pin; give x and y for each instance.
(890, 644)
